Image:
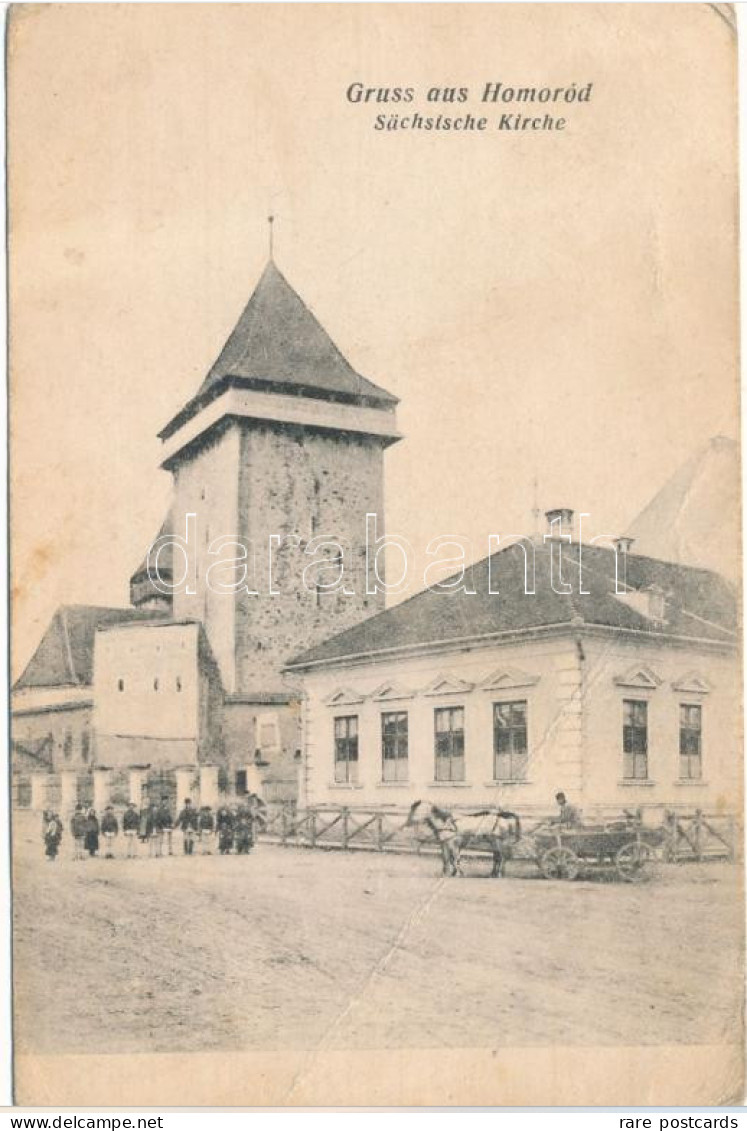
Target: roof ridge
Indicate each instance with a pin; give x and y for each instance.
(66, 637)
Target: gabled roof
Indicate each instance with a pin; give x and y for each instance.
(279, 345)
(700, 605)
(64, 657)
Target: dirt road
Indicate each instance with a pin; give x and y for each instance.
(289, 948)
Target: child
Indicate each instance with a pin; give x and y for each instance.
(52, 835)
(207, 830)
(244, 832)
(224, 827)
(187, 822)
(78, 832)
(130, 826)
(91, 839)
(164, 827)
(110, 828)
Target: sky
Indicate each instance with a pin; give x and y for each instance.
(558, 306)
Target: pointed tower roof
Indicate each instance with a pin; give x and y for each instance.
(142, 589)
(278, 345)
(695, 517)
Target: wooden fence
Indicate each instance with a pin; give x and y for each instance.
(689, 836)
(333, 826)
(701, 836)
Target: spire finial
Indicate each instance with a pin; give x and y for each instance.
(271, 221)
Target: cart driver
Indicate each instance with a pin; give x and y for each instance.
(568, 814)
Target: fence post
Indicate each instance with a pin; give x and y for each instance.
(380, 833)
(312, 827)
(731, 836)
(698, 833)
(345, 827)
(671, 819)
(284, 825)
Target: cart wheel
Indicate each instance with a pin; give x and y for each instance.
(633, 861)
(559, 864)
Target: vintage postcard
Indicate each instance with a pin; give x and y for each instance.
(376, 565)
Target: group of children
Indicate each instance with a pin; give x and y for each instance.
(231, 829)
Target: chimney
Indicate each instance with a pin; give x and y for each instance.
(559, 522)
(624, 543)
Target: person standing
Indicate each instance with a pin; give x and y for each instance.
(244, 831)
(207, 830)
(91, 838)
(224, 823)
(130, 828)
(110, 829)
(78, 832)
(52, 833)
(165, 827)
(187, 822)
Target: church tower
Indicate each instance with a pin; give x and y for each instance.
(280, 449)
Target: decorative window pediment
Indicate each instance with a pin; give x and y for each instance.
(447, 684)
(505, 679)
(391, 691)
(640, 677)
(344, 697)
(692, 683)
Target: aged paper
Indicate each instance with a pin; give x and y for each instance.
(375, 529)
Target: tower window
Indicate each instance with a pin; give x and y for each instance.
(155, 684)
(120, 685)
(178, 683)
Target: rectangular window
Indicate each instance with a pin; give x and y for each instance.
(394, 746)
(635, 739)
(691, 742)
(346, 749)
(449, 742)
(510, 756)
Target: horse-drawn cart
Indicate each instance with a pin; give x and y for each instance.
(561, 852)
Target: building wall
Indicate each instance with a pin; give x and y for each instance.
(275, 731)
(253, 481)
(60, 730)
(147, 692)
(545, 674)
(295, 481)
(575, 735)
(611, 675)
(206, 483)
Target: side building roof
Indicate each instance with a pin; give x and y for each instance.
(698, 605)
(64, 656)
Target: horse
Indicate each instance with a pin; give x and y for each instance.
(493, 829)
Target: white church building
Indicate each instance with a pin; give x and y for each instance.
(622, 699)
